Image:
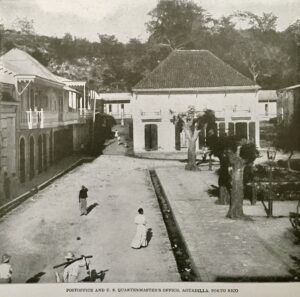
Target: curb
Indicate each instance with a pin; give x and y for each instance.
(4, 209)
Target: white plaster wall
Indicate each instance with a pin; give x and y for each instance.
(179, 103)
(272, 110)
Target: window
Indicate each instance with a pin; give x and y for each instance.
(122, 106)
(109, 108)
(266, 109)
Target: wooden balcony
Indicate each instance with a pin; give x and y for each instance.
(33, 119)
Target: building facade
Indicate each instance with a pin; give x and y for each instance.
(52, 120)
(192, 78)
(267, 103)
(288, 102)
(116, 104)
(8, 111)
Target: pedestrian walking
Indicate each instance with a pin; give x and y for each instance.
(7, 186)
(5, 269)
(116, 134)
(140, 238)
(82, 200)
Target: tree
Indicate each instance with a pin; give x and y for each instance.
(24, 25)
(192, 122)
(245, 154)
(237, 154)
(219, 146)
(173, 21)
(113, 53)
(264, 23)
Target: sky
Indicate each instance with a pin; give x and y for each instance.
(123, 18)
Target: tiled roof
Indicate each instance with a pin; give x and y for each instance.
(193, 69)
(20, 62)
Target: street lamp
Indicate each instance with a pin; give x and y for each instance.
(271, 154)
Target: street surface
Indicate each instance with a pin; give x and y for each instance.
(40, 232)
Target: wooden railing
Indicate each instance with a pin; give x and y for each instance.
(33, 119)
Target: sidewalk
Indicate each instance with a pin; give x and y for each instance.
(224, 249)
(44, 176)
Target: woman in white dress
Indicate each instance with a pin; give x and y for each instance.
(140, 238)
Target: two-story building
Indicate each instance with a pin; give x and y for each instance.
(192, 78)
(48, 125)
(8, 111)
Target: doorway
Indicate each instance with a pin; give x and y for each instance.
(150, 137)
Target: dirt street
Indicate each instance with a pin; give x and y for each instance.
(39, 232)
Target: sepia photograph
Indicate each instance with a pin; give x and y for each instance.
(149, 147)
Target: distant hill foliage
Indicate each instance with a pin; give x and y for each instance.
(267, 56)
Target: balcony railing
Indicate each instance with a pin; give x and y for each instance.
(241, 114)
(151, 115)
(32, 119)
(120, 115)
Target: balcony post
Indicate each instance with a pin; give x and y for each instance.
(42, 118)
(29, 118)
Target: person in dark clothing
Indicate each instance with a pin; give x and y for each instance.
(82, 200)
(6, 186)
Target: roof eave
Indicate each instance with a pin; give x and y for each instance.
(36, 77)
(199, 90)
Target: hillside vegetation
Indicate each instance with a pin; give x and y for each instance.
(259, 51)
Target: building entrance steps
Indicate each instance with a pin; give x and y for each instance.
(222, 249)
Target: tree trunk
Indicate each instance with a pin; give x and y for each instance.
(224, 181)
(191, 165)
(237, 190)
